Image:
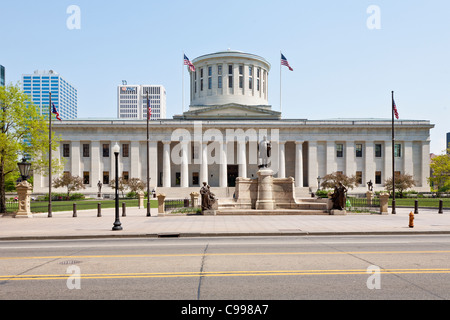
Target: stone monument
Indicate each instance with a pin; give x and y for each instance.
(24, 195)
(208, 200)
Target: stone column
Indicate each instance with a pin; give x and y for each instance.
(204, 163)
(223, 179)
(184, 165)
(350, 164)
(369, 165)
(282, 160)
(135, 164)
(242, 159)
(408, 165)
(166, 164)
(425, 163)
(299, 163)
(313, 165)
(96, 173)
(75, 159)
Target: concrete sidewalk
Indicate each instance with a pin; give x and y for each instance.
(137, 224)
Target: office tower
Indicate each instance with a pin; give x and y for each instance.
(132, 101)
(2, 75)
(64, 95)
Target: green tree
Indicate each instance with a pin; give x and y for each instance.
(72, 183)
(440, 173)
(402, 183)
(332, 179)
(24, 132)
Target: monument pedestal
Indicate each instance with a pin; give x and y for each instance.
(24, 194)
(265, 190)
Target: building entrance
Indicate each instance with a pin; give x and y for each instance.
(232, 174)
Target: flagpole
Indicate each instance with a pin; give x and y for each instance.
(280, 80)
(50, 156)
(393, 157)
(182, 85)
(148, 158)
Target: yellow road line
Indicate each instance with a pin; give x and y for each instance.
(222, 254)
(222, 274)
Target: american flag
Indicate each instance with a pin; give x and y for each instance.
(284, 62)
(54, 111)
(189, 63)
(149, 108)
(395, 109)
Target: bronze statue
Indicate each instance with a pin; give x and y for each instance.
(338, 197)
(208, 198)
(370, 185)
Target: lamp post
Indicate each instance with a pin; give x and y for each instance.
(117, 224)
(24, 191)
(318, 182)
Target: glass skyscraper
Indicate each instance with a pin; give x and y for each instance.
(2, 75)
(64, 95)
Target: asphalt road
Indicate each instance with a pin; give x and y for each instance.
(251, 268)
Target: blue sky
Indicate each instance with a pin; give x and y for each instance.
(342, 69)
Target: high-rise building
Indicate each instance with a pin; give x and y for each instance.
(38, 86)
(2, 75)
(132, 101)
(448, 142)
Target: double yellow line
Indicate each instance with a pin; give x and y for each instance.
(221, 274)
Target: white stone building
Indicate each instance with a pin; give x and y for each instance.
(216, 140)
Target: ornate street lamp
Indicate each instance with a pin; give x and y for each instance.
(24, 169)
(117, 224)
(318, 182)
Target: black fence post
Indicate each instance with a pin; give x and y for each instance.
(441, 204)
(74, 210)
(99, 209)
(416, 206)
(124, 209)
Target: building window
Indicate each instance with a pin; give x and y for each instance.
(66, 150)
(359, 177)
(219, 69)
(106, 150)
(195, 179)
(378, 150)
(85, 150)
(397, 150)
(241, 77)
(359, 150)
(377, 177)
(209, 77)
(85, 177)
(250, 77)
(219, 82)
(105, 177)
(125, 150)
(230, 76)
(125, 176)
(201, 79)
(339, 150)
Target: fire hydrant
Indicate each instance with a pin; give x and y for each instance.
(411, 220)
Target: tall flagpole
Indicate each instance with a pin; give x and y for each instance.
(393, 157)
(280, 80)
(148, 158)
(50, 156)
(182, 86)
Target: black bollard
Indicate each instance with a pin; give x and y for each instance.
(416, 206)
(74, 210)
(99, 209)
(441, 204)
(123, 209)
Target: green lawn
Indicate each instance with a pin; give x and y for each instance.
(42, 206)
(423, 202)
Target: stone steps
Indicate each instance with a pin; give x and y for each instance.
(270, 212)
